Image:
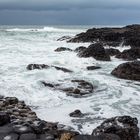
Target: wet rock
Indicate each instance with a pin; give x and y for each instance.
(80, 49)
(62, 69)
(11, 136)
(62, 49)
(77, 88)
(129, 70)
(93, 67)
(4, 118)
(29, 136)
(96, 51)
(76, 113)
(43, 66)
(37, 66)
(101, 137)
(11, 100)
(64, 38)
(130, 54)
(123, 126)
(19, 129)
(112, 51)
(128, 35)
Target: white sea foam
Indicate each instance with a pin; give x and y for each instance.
(112, 96)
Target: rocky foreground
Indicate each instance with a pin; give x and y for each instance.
(19, 122)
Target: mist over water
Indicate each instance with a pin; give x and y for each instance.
(23, 45)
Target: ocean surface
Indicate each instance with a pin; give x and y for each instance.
(23, 45)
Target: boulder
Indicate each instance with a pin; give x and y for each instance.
(123, 126)
(62, 49)
(112, 51)
(130, 54)
(128, 70)
(37, 66)
(96, 51)
(76, 113)
(93, 67)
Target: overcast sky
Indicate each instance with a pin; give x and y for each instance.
(69, 12)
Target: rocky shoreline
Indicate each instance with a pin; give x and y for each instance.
(19, 122)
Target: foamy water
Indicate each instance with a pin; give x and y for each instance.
(20, 46)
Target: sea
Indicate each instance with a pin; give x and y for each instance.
(23, 45)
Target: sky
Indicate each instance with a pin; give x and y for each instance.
(69, 12)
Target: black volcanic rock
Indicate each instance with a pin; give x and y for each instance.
(76, 113)
(37, 66)
(96, 51)
(130, 54)
(80, 49)
(62, 49)
(129, 70)
(93, 67)
(128, 35)
(112, 51)
(43, 66)
(64, 38)
(4, 118)
(123, 126)
(78, 88)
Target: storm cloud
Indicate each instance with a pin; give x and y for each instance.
(63, 12)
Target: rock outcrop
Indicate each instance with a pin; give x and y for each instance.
(128, 35)
(129, 70)
(62, 49)
(96, 51)
(130, 54)
(123, 126)
(43, 66)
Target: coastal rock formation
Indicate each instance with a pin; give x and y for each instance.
(130, 54)
(76, 113)
(129, 70)
(43, 66)
(96, 51)
(80, 49)
(62, 49)
(123, 126)
(78, 88)
(93, 67)
(112, 51)
(128, 35)
(64, 38)
(19, 122)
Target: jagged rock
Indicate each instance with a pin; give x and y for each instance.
(130, 54)
(93, 67)
(79, 87)
(76, 113)
(96, 51)
(129, 70)
(62, 49)
(79, 49)
(43, 66)
(4, 118)
(37, 66)
(128, 35)
(62, 69)
(112, 51)
(64, 38)
(123, 126)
